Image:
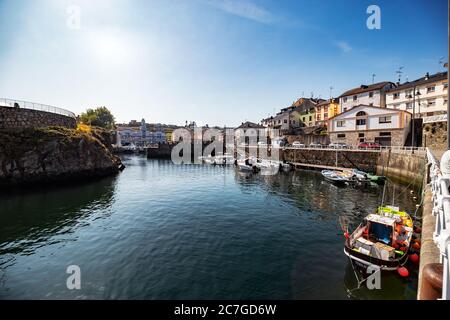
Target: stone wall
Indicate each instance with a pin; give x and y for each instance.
(25, 118)
(363, 160)
(434, 135)
(402, 168)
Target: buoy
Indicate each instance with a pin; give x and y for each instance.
(403, 249)
(396, 246)
(416, 245)
(346, 235)
(402, 271)
(414, 258)
(418, 230)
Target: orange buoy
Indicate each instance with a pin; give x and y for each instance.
(416, 245)
(403, 249)
(418, 230)
(402, 271)
(414, 258)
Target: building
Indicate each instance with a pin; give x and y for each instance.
(300, 114)
(139, 135)
(326, 110)
(424, 97)
(370, 95)
(305, 112)
(250, 132)
(370, 124)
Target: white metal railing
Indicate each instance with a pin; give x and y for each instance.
(35, 106)
(440, 184)
(393, 149)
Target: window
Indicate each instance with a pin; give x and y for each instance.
(285, 121)
(340, 123)
(345, 99)
(385, 134)
(345, 109)
(361, 114)
(310, 118)
(279, 121)
(325, 116)
(325, 109)
(431, 89)
(355, 98)
(408, 93)
(431, 103)
(409, 105)
(370, 94)
(445, 85)
(387, 119)
(341, 135)
(318, 117)
(360, 122)
(360, 135)
(396, 95)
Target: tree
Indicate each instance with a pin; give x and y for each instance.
(100, 117)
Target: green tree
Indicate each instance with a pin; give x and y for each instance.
(100, 117)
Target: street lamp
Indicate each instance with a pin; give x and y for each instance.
(418, 94)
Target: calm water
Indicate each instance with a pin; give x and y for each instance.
(160, 231)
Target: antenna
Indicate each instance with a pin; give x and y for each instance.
(331, 90)
(373, 78)
(399, 72)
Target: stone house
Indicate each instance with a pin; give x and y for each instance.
(365, 123)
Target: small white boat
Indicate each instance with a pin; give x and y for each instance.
(247, 164)
(268, 167)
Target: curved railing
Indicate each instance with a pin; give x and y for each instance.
(441, 210)
(35, 106)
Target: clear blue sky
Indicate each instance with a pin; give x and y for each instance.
(217, 62)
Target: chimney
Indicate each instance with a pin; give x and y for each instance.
(427, 76)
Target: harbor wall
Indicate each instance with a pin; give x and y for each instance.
(13, 118)
(360, 159)
(407, 169)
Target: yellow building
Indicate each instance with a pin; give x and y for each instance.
(326, 110)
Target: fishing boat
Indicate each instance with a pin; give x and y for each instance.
(339, 177)
(246, 165)
(267, 167)
(382, 240)
(367, 177)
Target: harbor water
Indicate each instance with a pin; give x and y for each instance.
(165, 231)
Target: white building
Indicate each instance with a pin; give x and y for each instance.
(139, 136)
(370, 124)
(425, 97)
(370, 95)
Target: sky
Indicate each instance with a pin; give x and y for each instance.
(216, 62)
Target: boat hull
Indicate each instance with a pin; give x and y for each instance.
(365, 260)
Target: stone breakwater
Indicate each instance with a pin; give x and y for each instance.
(26, 118)
(30, 156)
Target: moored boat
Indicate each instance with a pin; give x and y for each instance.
(338, 177)
(382, 240)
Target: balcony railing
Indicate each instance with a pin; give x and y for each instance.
(440, 185)
(35, 106)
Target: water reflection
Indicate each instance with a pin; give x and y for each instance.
(33, 219)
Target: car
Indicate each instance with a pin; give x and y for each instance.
(262, 144)
(315, 145)
(298, 144)
(369, 145)
(337, 146)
